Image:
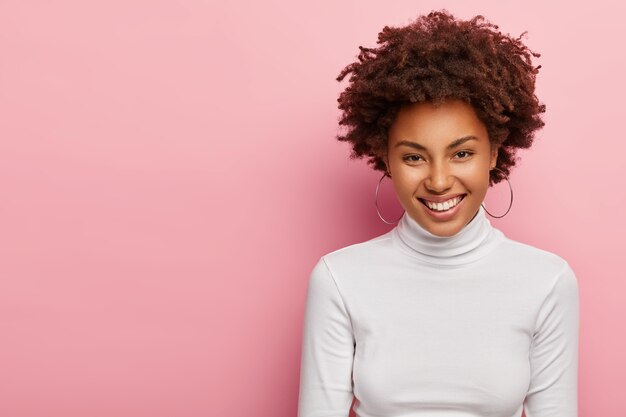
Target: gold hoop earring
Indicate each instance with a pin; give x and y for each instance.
(511, 202)
(386, 174)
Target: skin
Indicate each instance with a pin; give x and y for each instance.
(436, 171)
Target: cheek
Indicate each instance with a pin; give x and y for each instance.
(479, 185)
(406, 184)
(475, 176)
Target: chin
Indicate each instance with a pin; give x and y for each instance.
(445, 227)
(441, 228)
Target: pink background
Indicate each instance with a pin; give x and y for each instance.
(169, 176)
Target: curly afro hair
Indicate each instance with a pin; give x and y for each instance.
(434, 58)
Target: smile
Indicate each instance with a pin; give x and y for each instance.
(443, 206)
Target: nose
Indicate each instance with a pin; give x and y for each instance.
(439, 179)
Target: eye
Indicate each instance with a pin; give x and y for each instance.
(412, 158)
(465, 154)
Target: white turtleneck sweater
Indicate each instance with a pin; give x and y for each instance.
(410, 324)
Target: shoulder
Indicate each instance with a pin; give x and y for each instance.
(356, 260)
(377, 247)
(535, 262)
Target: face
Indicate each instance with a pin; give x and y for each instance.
(442, 156)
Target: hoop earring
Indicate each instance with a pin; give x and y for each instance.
(376, 200)
(510, 204)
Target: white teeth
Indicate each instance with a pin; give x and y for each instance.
(446, 205)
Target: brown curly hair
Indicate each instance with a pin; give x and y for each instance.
(434, 58)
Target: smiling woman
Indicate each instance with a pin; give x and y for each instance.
(444, 314)
(439, 158)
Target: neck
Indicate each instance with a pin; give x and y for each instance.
(472, 242)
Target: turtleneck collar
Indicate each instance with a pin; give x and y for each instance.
(473, 241)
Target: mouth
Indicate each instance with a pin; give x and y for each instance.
(444, 206)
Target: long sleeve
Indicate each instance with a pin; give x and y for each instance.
(553, 390)
(327, 349)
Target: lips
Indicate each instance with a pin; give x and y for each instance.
(441, 199)
(444, 215)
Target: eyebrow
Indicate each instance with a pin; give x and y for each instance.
(452, 145)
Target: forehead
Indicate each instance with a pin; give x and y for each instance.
(426, 122)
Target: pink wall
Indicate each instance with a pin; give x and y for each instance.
(169, 177)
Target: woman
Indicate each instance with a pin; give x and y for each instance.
(443, 315)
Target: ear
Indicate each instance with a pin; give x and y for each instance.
(494, 156)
